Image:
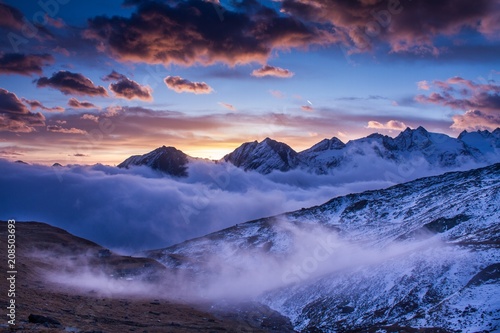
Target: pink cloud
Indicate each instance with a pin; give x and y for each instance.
(74, 103)
(60, 129)
(38, 105)
(180, 85)
(272, 71)
(228, 106)
(480, 102)
(423, 85)
(473, 120)
(15, 116)
(390, 125)
(277, 93)
(90, 117)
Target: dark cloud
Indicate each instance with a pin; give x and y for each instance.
(181, 85)
(114, 76)
(192, 32)
(128, 89)
(479, 101)
(11, 17)
(15, 116)
(74, 103)
(72, 84)
(24, 64)
(34, 104)
(407, 26)
(272, 71)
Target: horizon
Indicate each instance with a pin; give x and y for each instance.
(50, 163)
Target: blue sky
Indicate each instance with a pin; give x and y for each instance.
(320, 69)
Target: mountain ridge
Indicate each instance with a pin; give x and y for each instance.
(408, 147)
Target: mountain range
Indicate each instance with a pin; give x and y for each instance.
(411, 147)
(423, 254)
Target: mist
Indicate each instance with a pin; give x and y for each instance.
(234, 274)
(138, 209)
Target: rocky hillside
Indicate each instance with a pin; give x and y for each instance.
(420, 254)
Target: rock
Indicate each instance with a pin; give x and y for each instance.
(47, 321)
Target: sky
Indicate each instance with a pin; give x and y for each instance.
(97, 81)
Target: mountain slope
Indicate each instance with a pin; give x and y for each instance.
(420, 254)
(88, 288)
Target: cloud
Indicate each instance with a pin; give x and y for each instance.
(228, 106)
(60, 129)
(277, 93)
(74, 103)
(91, 117)
(473, 120)
(15, 116)
(272, 71)
(406, 26)
(11, 17)
(247, 34)
(24, 64)
(34, 104)
(390, 125)
(55, 22)
(128, 89)
(480, 102)
(307, 108)
(114, 76)
(62, 51)
(138, 208)
(181, 85)
(423, 85)
(72, 84)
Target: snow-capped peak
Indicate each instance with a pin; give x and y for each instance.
(264, 156)
(165, 159)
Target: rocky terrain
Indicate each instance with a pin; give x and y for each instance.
(132, 296)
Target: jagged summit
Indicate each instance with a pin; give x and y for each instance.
(485, 141)
(165, 159)
(264, 156)
(325, 144)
